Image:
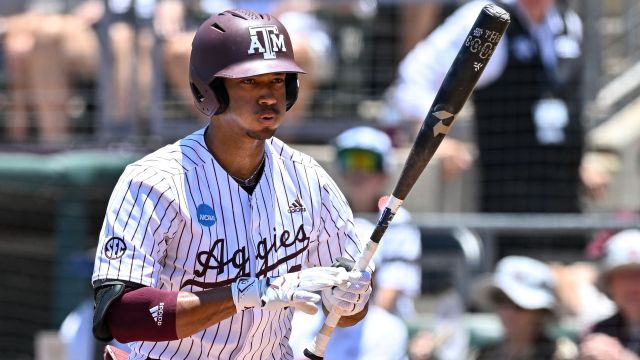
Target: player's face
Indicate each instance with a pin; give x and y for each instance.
(256, 104)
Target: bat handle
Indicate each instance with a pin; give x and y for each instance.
(316, 350)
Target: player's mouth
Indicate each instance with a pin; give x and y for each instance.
(268, 116)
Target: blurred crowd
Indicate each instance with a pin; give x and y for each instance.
(112, 67)
(524, 308)
(77, 69)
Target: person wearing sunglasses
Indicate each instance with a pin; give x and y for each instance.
(363, 162)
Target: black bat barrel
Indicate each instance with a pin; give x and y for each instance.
(472, 58)
(456, 88)
(453, 93)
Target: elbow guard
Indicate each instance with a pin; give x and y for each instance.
(105, 293)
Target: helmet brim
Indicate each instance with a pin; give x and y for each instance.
(259, 67)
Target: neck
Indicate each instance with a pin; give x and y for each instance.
(239, 157)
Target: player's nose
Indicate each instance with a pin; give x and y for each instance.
(268, 95)
(267, 100)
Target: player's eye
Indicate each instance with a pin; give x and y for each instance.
(278, 80)
(248, 81)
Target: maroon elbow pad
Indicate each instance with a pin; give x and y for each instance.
(144, 314)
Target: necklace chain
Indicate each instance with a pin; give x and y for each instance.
(252, 179)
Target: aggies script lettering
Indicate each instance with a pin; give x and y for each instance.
(214, 258)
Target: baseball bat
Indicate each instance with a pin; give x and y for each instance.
(454, 91)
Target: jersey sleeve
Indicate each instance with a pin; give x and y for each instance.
(142, 217)
(337, 235)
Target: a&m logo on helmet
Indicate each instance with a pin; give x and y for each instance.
(269, 36)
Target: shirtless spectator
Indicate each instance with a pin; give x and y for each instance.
(47, 49)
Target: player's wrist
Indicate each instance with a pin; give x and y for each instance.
(296, 289)
(247, 292)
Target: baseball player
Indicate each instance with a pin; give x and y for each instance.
(210, 243)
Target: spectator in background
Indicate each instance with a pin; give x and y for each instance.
(417, 20)
(522, 293)
(131, 39)
(618, 337)
(46, 50)
(363, 161)
(527, 109)
(578, 294)
(364, 157)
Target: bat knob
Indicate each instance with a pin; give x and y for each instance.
(311, 355)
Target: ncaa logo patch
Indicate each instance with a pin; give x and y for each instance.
(206, 215)
(114, 248)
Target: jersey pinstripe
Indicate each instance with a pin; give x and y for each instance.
(176, 220)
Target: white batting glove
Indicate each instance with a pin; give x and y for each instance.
(350, 297)
(293, 289)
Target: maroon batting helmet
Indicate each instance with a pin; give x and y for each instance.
(236, 44)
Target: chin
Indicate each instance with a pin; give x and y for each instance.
(264, 134)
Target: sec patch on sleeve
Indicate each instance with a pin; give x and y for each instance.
(114, 248)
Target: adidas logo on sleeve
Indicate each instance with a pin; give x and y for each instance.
(157, 312)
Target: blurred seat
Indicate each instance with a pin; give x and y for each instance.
(449, 259)
(51, 208)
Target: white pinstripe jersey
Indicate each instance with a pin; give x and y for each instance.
(176, 220)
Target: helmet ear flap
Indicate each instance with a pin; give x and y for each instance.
(217, 86)
(291, 88)
(203, 97)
